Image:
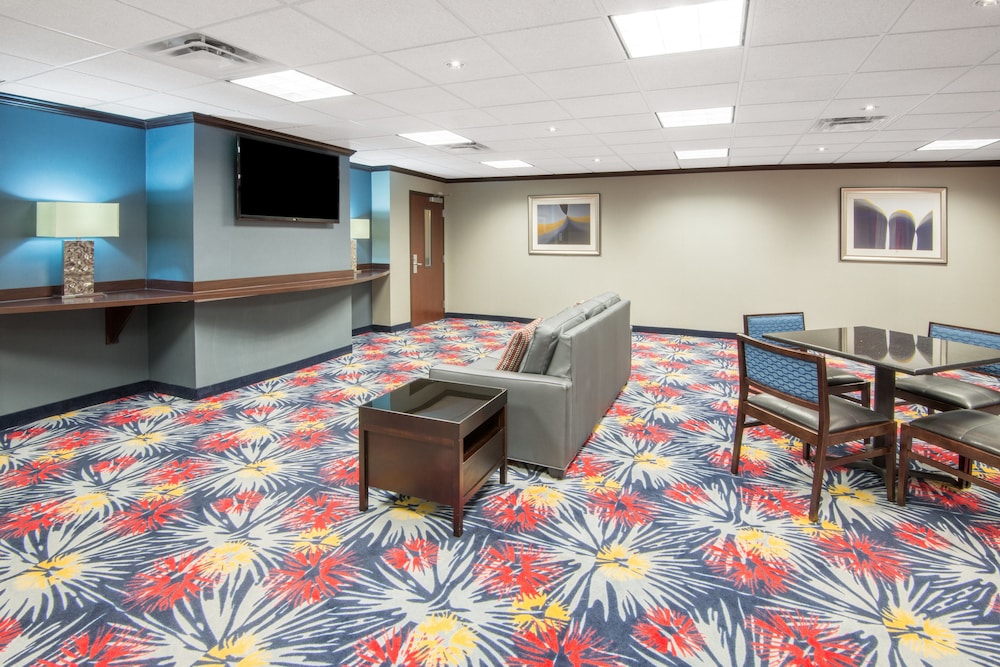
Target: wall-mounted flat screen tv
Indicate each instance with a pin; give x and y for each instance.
(282, 182)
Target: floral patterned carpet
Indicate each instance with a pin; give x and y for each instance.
(159, 531)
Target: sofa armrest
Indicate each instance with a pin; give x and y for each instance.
(538, 410)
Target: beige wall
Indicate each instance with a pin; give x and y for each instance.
(697, 250)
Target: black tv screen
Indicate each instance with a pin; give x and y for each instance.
(281, 182)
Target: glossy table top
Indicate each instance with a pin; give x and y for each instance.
(902, 352)
(436, 399)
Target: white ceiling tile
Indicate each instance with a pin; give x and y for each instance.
(77, 83)
(460, 119)
(89, 20)
(44, 46)
(420, 100)
(366, 75)
(769, 129)
(56, 96)
(765, 113)
(884, 106)
(606, 105)
(784, 142)
(353, 107)
(841, 56)
(984, 77)
(630, 123)
(531, 112)
(308, 42)
(382, 25)
(912, 82)
(937, 121)
(801, 89)
(198, 13)
(696, 97)
(479, 61)
(563, 46)
(13, 68)
(138, 71)
(921, 50)
(487, 16)
(585, 81)
(492, 92)
(679, 70)
(960, 102)
(784, 21)
(926, 15)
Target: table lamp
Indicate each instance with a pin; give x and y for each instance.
(361, 228)
(75, 220)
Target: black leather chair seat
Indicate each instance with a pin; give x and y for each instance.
(836, 377)
(970, 427)
(844, 414)
(949, 390)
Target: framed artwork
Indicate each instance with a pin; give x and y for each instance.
(894, 225)
(564, 225)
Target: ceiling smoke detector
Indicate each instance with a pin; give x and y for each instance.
(203, 54)
(848, 123)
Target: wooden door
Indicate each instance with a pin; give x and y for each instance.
(426, 258)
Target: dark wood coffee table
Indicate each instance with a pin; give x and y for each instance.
(434, 440)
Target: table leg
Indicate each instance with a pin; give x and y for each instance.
(362, 473)
(456, 521)
(885, 404)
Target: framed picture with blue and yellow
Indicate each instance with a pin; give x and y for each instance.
(564, 224)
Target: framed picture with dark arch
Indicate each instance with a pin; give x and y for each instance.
(894, 225)
(564, 224)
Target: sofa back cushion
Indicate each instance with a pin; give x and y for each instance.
(543, 341)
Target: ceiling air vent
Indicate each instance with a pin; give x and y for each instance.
(848, 123)
(467, 147)
(203, 54)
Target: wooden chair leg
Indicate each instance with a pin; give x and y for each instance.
(734, 466)
(905, 443)
(866, 396)
(890, 470)
(819, 477)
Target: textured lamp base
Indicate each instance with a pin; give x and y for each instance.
(78, 269)
(354, 256)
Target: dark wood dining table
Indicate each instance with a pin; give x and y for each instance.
(890, 352)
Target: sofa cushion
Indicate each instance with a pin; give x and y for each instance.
(543, 342)
(516, 348)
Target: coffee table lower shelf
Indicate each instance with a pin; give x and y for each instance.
(440, 441)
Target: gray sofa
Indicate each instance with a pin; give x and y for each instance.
(577, 363)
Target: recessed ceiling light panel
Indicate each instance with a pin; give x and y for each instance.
(692, 117)
(436, 138)
(693, 27)
(702, 154)
(957, 144)
(506, 164)
(292, 85)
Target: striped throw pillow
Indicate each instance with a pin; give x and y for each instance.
(517, 347)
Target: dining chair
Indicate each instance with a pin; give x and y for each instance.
(841, 382)
(972, 435)
(939, 393)
(788, 389)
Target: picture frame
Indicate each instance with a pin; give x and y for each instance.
(894, 225)
(564, 224)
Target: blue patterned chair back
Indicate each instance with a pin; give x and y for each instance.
(970, 337)
(758, 325)
(770, 366)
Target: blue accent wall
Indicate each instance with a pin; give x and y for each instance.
(170, 192)
(54, 157)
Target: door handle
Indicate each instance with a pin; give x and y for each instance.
(416, 263)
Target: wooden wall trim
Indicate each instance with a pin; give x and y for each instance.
(66, 110)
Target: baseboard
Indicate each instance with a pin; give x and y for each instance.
(490, 318)
(190, 393)
(699, 333)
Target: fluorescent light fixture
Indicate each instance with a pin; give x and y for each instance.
(506, 164)
(436, 138)
(702, 154)
(690, 117)
(957, 144)
(692, 27)
(292, 85)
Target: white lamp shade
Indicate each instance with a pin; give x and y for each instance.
(63, 219)
(361, 228)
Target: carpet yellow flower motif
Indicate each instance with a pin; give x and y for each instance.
(240, 651)
(617, 563)
(317, 539)
(543, 496)
(50, 572)
(535, 613)
(919, 634)
(444, 640)
(765, 544)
